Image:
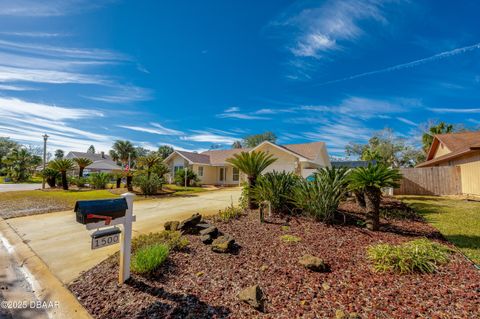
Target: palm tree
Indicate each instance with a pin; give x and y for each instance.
(251, 164)
(148, 162)
(62, 165)
(164, 151)
(82, 162)
(18, 163)
(124, 150)
(371, 180)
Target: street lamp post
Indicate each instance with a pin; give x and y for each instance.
(45, 137)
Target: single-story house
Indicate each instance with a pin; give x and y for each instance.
(212, 167)
(352, 164)
(461, 150)
(101, 162)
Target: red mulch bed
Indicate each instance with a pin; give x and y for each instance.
(199, 283)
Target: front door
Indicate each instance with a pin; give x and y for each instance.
(222, 175)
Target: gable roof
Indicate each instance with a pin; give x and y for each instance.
(91, 156)
(308, 151)
(458, 144)
(104, 165)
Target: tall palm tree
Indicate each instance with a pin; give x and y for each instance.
(62, 165)
(124, 149)
(251, 164)
(82, 162)
(148, 162)
(371, 180)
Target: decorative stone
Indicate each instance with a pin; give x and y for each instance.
(189, 224)
(206, 239)
(212, 231)
(223, 244)
(171, 225)
(203, 225)
(253, 296)
(325, 286)
(313, 263)
(340, 314)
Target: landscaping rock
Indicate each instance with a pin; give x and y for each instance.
(212, 231)
(206, 239)
(171, 225)
(313, 263)
(189, 224)
(223, 244)
(203, 225)
(253, 296)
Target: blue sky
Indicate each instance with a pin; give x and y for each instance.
(192, 74)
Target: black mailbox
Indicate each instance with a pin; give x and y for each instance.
(93, 211)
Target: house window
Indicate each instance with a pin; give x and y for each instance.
(236, 174)
(177, 168)
(222, 174)
(200, 171)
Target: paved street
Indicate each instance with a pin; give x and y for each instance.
(19, 187)
(64, 245)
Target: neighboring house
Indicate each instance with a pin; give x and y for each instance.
(461, 150)
(101, 162)
(212, 167)
(352, 164)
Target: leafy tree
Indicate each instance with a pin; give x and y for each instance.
(254, 140)
(18, 164)
(433, 129)
(164, 151)
(371, 180)
(141, 151)
(91, 149)
(62, 165)
(180, 177)
(237, 144)
(251, 164)
(122, 150)
(59, 154)
(82, 162)
(386, 148)
(6, 146)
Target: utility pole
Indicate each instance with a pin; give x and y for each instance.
(186, 171)
(128, 161)
(45, 137)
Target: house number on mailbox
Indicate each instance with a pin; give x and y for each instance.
(105, 238)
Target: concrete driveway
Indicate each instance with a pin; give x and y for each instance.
(64, 245)
(19, 187)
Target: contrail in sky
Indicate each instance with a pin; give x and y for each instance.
(438, 56)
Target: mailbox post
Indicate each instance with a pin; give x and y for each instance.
(126, 243)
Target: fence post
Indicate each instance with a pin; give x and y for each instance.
(126, 242)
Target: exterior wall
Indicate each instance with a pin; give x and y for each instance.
(285, 161)
(176, 160)
(209, 174)
(441, 150)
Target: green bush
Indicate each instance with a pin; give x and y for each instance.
(148, 186)
(192, 177)
(99, 180)
(173, 239)
(78, 181)
(229, 213)
(50, 175)
(149, 258)
(419, 255)
(276, 188)
(290, 239)
(320, 198)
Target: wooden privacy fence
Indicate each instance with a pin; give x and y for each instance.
(439, 180)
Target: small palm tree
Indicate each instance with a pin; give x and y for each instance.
(371, 180)
(62, 165)
(251, 164)
(82, 162)
(124, 150)
(147, 163)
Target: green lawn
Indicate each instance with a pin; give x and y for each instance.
(458, 220)
(181, 190)
(32, 180)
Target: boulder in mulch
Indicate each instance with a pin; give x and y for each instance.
(188, 225)
(313, 263)
(206, 239)
(171, 225)
(203, 225)
(212, 231)
(223, 244)
(253, 296)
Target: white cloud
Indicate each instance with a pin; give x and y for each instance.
(232, 109)
(125, 94)
(241, 116)
(208, 137)
(39, 8)
(32, 34)
(454, 110)
(15, 88)
(156, 129)
(407, 121)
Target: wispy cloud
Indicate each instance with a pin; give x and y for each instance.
(454, 110)
(408, 65)
(241, 116)
(208, 137)
(275, 110)
(125, 94)
(407, 121)
(15, 88)
(37, 8)
(33, 34)
(155, 128)
(232, 109)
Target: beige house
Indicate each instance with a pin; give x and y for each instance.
(461, 150)
(212, 167)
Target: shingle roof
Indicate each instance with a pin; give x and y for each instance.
(219, 157)
(91, 156)
(458, 143)
(104, 165)
(195, 157)
(307, 150)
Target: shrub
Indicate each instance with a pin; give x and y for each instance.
(290, 239)
(320, 198)
(148, 186)
(277, 189)
(243, 200)
(149, 258)
(78, 181)
(173, 239)
(229, 213)
(180, 177)
(50, 176)
(419, 255)
(99, 180)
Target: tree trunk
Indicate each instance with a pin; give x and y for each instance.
(373, 197)
(252, 180)
(119, 182)
(360, 198)
(80, 172)
(64, 181)
(129, 183)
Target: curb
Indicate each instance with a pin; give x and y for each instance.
(46, 285)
